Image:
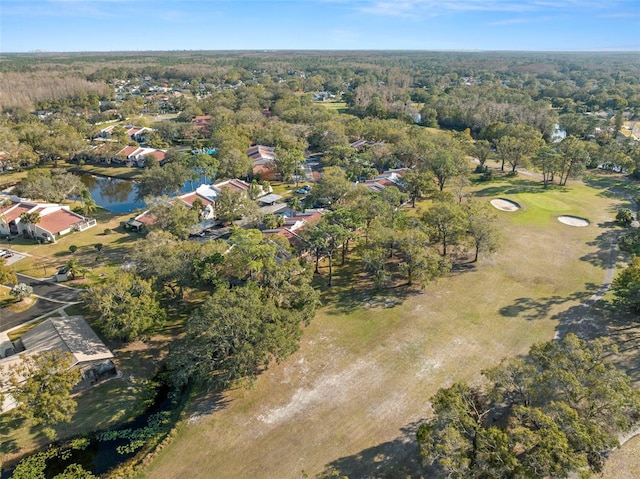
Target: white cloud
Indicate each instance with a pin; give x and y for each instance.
(406, 8)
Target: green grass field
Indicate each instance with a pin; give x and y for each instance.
(352, 396)
(339, 106)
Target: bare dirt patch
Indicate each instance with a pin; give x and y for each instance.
(574, 221)
(505, 205)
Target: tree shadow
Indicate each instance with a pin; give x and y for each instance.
(8, 424)
(510, 189)
(585, 320)
(390, 460)
(613, 187)
(606, 255)
(205, 403)
(532, 309)
(354, 290)
(623, 328)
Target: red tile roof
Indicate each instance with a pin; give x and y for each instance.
(308, 217)
(16, 210)
(146, 218)
(191, 197)
(128, 150)
(59, 221)
(201, 121)
(157, 154)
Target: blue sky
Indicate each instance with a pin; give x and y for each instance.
(125, 25)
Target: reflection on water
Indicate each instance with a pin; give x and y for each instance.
(115, 195)
(120, 196)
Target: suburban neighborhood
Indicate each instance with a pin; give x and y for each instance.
(280, 264)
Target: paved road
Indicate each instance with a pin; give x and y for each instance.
(50, 289)
(51, 296)
(9, 319)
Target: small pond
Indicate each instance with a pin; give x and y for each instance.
(120, 196)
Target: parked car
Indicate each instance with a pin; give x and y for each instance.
(304, 190)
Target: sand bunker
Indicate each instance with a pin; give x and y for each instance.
(573, 221)
(505, 205)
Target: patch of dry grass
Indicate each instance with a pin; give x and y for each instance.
(624, 463)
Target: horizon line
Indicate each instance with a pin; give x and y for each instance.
(269, 50)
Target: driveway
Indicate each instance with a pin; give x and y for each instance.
(51, 296)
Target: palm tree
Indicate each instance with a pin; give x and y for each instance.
(88, 204)
(296, 205)
(74, 268)
(29, 220)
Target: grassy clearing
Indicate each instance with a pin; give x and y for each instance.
(352, 396)
(339, 106)
(122, 172)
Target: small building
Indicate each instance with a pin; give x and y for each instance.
(388, 178)
(269, 200)
(201, 121)
(137, 133)
(63, 275)
(71, 335)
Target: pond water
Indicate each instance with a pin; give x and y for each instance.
(120, 196)
(102, 455)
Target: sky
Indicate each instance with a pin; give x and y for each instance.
(139, 25)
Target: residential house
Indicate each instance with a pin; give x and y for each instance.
(388, 178)
(206, 194)
(69, 334)
(201, 121)
(137, 133)
(263, 157)
(292, 226)
(137, 155)
(55, 220)
(361, 144)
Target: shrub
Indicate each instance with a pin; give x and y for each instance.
(624, 217)
(107, 231)
(98, 246)
(487, 175)
(73, 248)
(21, 291)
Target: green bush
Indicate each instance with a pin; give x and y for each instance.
(107, 231)
(487, 175)
(624, 217)
(73, 248)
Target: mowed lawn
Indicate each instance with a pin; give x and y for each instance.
(353, 394)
